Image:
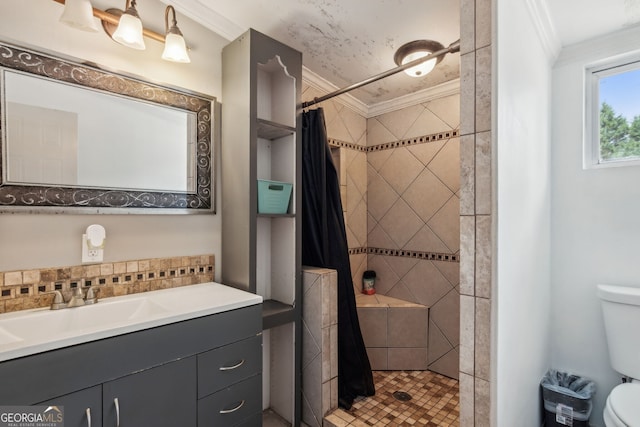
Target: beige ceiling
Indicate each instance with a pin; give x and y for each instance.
(345, 41)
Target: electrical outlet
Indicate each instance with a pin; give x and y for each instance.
(90, 255)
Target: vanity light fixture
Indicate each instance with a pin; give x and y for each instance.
(129, 30)
(125, 27)
(175, 49)
(418, 49)
(79, 14)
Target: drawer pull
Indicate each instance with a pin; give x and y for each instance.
(117, 404)
(228, 411)
(88, 411)
(231, 368)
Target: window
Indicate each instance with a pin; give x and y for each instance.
(613, 115)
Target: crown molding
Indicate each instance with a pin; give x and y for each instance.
(539, 13)
(312, 79)
(451, 87)
(319, 83)
(602, 49)
(205, 16)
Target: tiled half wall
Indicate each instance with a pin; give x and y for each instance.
(319, 344)
(22, 290)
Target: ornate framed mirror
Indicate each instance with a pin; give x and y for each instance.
(76, 138)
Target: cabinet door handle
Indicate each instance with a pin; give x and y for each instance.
(231, 368)
(117, 404)
(228, 411)
(88, 412)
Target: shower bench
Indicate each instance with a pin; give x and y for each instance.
(394, 332)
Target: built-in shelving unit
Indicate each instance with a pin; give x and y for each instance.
(271, 130)
(261, 84)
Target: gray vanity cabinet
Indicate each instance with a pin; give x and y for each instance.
(164, 396)
(200, 372)
(230, 384)
(82, 408)
(233, 405)
(224, 366)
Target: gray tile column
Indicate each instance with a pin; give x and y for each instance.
(476, 212)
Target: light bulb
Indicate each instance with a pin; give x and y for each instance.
(175, 48)
(79, 15)
(420, 69)
(129, 31)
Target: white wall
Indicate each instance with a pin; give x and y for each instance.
(595, 228)
(43, 240)
(521, 301)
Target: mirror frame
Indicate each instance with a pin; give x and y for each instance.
(46, 198)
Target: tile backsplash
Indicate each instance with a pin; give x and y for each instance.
(27, 289)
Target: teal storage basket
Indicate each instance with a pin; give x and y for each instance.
(273, 196)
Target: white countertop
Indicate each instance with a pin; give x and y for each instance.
(29, 332)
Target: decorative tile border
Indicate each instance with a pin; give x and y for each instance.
(431, 256)
(396, 144)
(357, 251)
(415, 141)
(350, 145)
(23, 290)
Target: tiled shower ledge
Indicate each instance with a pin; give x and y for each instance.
(376, 300)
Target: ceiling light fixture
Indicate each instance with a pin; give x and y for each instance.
(418, 49)
(125, 27)
(435, 55)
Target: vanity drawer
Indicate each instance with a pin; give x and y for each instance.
(228, 365)
(233, 405)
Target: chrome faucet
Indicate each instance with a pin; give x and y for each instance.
(76, 300)
(58, 301)
(91, 297)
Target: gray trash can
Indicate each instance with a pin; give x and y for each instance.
(567, 399)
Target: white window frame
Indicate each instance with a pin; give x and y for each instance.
(591, 158)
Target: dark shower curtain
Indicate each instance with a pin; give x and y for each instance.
(324, 244)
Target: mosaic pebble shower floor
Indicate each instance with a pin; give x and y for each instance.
(434, 402)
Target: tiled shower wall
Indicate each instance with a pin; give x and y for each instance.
(400, 190)
(413, 206)
(476, 207)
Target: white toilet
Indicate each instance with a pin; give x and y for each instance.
(621, 311)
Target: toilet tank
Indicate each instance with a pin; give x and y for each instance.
(621, 312)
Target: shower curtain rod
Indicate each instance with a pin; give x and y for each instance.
(453, 48)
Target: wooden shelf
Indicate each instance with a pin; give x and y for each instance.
(276, 313)
(272, 130)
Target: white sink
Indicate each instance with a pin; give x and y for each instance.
(33, 331)
(35, 324)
